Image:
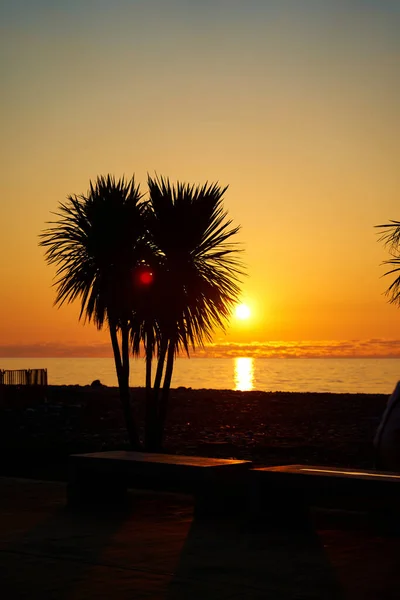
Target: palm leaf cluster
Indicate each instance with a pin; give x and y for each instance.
(391, 239)
(96, 243)
(180, 234)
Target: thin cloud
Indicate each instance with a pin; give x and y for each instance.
(373, 348)
(54, 350)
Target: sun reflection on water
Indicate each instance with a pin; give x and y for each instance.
(244, 374)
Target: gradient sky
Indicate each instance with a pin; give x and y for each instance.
(294, 104)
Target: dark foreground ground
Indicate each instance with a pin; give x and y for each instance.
(39, 430)
(156, 550)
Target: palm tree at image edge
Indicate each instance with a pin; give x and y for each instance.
(391, 240)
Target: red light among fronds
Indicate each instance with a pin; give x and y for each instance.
(146, 277)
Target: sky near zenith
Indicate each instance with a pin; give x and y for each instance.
(294, 104)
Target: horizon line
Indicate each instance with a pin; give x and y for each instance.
(370, 348)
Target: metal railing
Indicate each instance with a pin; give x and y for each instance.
(23, 377)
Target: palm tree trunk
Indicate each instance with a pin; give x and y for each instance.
(122, 368)
(116, 351)
(160, 369)
(149, 358)
(153, 400)
(150, 413)
(163, 406)
(156, 390)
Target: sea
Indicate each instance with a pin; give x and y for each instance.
(337, 375)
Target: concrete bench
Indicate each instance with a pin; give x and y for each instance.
(104, 477)
(288, 492)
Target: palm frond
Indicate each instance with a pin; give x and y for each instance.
(391, 235)
(391, 239)
(189, 227)
(95, 243)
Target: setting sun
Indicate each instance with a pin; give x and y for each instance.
(242, 312)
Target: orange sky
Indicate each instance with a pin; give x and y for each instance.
(294, 104)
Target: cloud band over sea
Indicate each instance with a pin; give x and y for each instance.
(372, 348)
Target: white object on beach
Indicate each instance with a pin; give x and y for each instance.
(387, 438)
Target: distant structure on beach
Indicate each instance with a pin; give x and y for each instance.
(23, 377)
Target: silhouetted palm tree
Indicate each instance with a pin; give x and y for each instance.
(196, 276)
(391, 239)
(99, 245)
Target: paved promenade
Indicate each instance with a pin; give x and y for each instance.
(155, 549)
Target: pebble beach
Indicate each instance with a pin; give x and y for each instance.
(40, 428)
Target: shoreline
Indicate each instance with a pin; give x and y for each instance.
(38, 431)
(300, 375)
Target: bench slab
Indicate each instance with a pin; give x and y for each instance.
(328, 486)
(108, 475)
(337, 472)
(160, 459)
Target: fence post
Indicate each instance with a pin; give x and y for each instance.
(23, 377)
